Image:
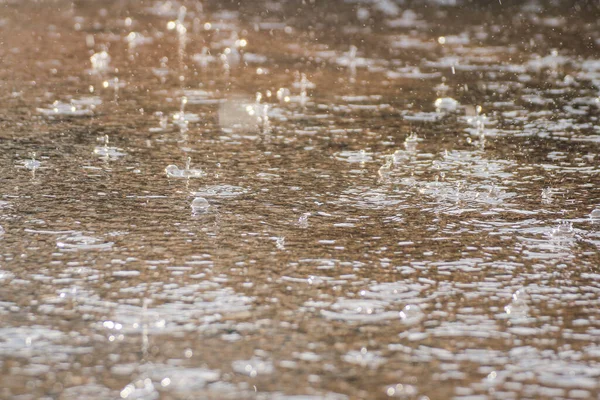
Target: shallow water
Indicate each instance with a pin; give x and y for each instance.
(360, 229)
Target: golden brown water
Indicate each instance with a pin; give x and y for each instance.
(368, 234)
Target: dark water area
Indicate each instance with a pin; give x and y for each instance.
(354, 199)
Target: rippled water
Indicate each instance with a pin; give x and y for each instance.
(299, 199)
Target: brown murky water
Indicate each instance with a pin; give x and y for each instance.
(360, 229)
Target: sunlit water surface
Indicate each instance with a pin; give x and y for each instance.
(347, 199)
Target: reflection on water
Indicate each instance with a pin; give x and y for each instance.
(381, 199)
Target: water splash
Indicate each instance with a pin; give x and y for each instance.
(173, 171)
(32, 164)
(547, 195)
(108, 152)
(100, 62)
(563, 231)
(446, 105)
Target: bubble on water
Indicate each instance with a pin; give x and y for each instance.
(446, 104)
(100, 62)
(411, 314)
(200, 205)
(595, 216)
